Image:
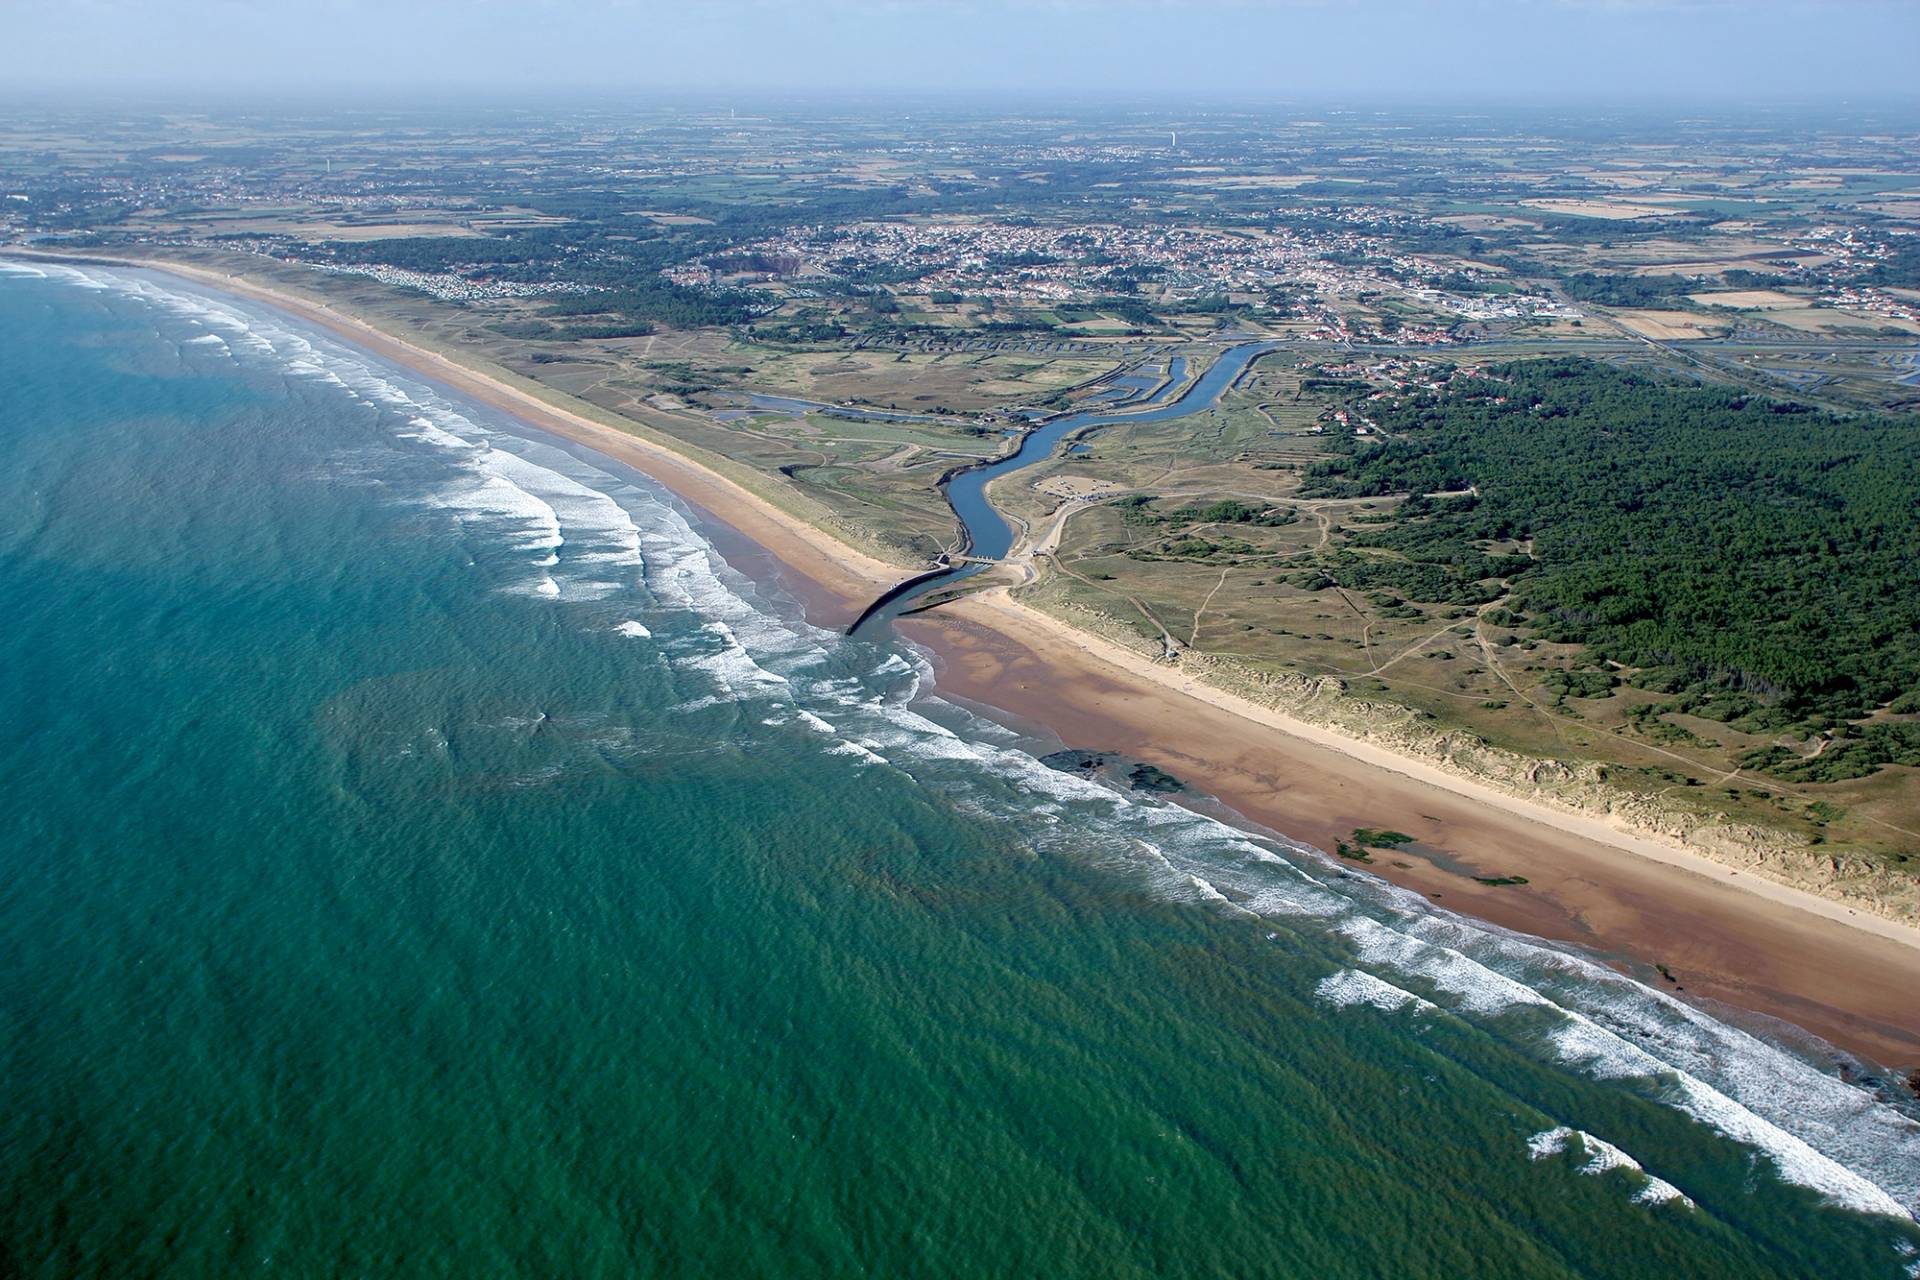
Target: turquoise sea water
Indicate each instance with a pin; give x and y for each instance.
(422, 854)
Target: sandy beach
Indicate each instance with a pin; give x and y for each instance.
(1717, 933)
(1735, 939)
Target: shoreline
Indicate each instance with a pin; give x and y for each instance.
(1733, 938)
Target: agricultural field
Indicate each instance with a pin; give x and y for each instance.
(856, 307)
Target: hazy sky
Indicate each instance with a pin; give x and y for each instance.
(1833, 50)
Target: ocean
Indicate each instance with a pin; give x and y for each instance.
(424, 853)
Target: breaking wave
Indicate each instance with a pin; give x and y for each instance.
(577, 536)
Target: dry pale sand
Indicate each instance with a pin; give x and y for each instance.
(843, 569)
(1724, 936)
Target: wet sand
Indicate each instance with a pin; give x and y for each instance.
(1726, 937)
(1749, 945)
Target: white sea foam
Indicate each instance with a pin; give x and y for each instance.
(1351, 987)
(854, 749)
(427, 429)
(1601, 1156)
(578, 543)
(1475, 987)
(633, 629)
(815, 723)
(524, 521)
(1768, 1100)
(699, 704)
(732, 666)
(1660, 1191)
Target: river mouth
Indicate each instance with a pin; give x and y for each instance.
(986, 535)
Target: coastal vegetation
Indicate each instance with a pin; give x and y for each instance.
(1444, 494)
(1489, 505)
(1388, 586)
(1750, 558)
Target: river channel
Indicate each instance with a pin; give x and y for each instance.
(988, 534)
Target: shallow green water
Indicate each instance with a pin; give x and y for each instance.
(423, 858)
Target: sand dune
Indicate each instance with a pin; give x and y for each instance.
(1725, 935)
